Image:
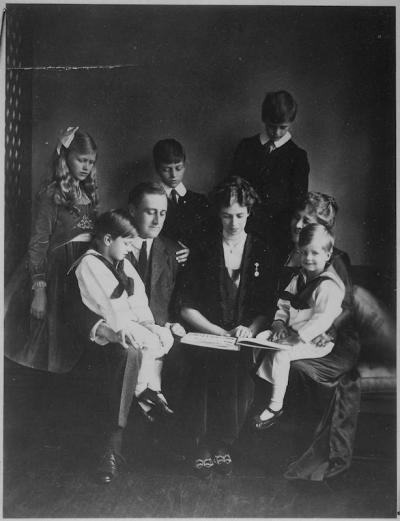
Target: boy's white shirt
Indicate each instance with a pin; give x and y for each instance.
(181, 190)
(97, 283)
(327, 301)
(264, 138)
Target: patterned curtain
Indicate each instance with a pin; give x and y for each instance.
(18, 136)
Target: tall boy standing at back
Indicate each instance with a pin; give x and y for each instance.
(275, 166)
(187, 210)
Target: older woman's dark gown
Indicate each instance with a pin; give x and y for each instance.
(331, 449)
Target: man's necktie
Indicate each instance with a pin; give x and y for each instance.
(174, 197)
(142, 262)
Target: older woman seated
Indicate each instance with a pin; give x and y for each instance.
(331, 449)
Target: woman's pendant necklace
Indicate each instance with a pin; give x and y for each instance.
(232, 245)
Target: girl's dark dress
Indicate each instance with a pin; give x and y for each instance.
(49, 344)
(222, 386)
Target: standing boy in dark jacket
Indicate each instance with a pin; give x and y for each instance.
(275, 166)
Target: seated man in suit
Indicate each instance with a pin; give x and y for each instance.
(155, 259)
(187, 210)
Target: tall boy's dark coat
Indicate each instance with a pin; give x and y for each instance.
(280, 179)
(185, 221)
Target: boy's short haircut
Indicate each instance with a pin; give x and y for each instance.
(117, 223)
(324, 206)
(314, 230)
(146, 188)
(278, 107)
(168, 151)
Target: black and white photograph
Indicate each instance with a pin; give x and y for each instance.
(199, 234)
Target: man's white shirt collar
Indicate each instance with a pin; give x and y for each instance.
(264, 139)
(137, 246)
(181, 190)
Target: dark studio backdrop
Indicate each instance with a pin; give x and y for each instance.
(199, 74)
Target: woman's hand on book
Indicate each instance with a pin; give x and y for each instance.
(241, 332)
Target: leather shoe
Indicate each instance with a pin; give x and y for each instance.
(261, 425)
(109, 466)
(156, 400)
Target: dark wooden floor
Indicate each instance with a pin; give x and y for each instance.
(42, 480)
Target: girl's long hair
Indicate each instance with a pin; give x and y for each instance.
(66, 191)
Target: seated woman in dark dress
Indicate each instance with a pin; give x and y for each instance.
(332, 446)
(229, 290)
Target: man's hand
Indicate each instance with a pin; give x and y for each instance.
(241, 332)
(39, 303)
(125, 338)
(183, 254)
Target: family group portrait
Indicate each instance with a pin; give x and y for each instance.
(199, 261)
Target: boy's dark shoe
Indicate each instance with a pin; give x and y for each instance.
(155, 400)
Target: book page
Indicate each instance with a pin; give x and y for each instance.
(263, 344)
(212, 341)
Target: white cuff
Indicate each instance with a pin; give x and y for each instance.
(93, 334)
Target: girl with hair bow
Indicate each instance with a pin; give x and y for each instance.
(36, 327)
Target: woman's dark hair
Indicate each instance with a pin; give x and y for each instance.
(116, 223)
(278, 107)
(168, 151)
(309, 232)
(232, 190)
(322, 205)
(146, 188)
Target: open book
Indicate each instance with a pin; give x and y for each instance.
(214, 341)
(229, 343)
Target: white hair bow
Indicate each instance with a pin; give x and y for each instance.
(65, 138)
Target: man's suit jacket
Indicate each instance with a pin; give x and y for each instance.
(163, 279)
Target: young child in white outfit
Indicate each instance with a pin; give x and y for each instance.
(111, 287)
(306, 308)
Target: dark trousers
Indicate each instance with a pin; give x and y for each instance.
(106, 378)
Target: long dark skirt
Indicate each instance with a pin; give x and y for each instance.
(221, 393)
(331, 449)
(49, 344)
